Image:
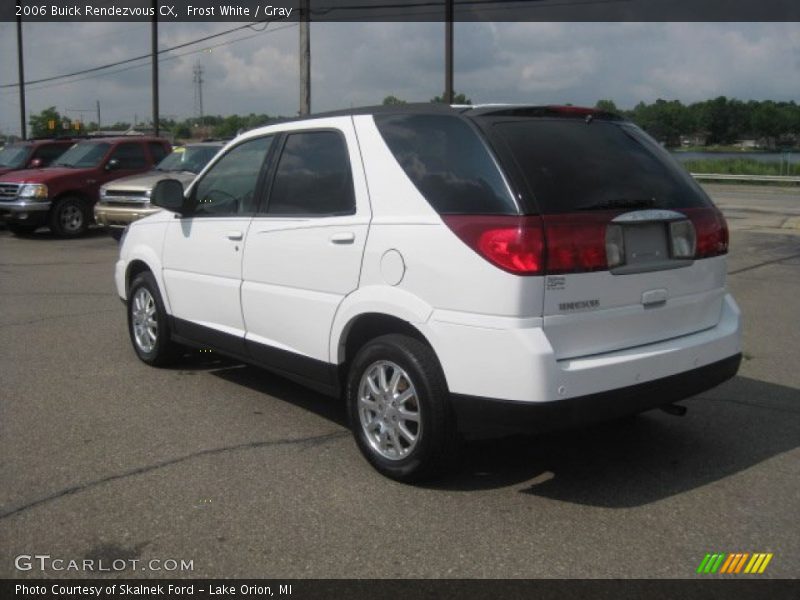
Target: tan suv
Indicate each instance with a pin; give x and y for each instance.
(126, 200)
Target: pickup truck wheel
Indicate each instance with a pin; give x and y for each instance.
(68, 217)
(21, 228)
(399, 409)
(148, 323)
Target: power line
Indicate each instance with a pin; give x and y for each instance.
(135, 58)
(430, 4)
(160, 60)
(440, 4)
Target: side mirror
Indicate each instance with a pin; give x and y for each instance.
(36, 163)
(168, 193)
(112, 165)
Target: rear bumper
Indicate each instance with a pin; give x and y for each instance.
(486, 414)
(108, 215)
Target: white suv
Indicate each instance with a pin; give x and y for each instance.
(447, 269)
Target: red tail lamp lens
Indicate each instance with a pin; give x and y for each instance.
(711, 230)
(515, 244)
(576, 243)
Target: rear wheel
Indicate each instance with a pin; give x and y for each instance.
(21, 228)
(399, 409)
(148, 323)
(69, 217)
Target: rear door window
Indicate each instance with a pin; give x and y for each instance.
(448, 163)
(570, 164)
(313, 177)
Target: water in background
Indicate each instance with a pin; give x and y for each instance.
(792, 158)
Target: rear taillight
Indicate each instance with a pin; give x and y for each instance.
(552, 244)
(580, 242)
(515, 244)
(711, 231)
(576, 243)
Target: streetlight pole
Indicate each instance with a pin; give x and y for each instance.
(21, 68)
(154, 51)
(305, 58)
(448, 53)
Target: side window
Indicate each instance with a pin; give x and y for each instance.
(49, 152)
(229, 187)
(448, 163)
(313, 176)
(130, 156)
(157, 151)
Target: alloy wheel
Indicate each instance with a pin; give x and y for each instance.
(389, 410)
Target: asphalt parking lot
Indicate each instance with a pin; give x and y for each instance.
(248, 475)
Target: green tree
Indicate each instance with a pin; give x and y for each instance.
(457, 99)
(40, 124)
(767, 122)
(607, 106)
(665, 120)
(392, 101)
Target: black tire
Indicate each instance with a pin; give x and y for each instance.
(436, 446)
(116, 233)
(21, 228)
(69, 217)
(164, 350)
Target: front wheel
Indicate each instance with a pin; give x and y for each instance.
(69, 217)
(399, 409)
(148, 323)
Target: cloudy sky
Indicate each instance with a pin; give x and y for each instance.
(360, 63)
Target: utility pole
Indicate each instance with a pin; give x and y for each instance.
(154, 53)
(305, 58)
(21, 67)
(448, 52)
(198, 91)
(98, 115)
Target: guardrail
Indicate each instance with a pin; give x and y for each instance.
(756, 178)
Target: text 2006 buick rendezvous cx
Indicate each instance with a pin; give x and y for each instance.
(445, 269)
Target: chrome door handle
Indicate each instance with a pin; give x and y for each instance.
(234, 235)
(343, 238)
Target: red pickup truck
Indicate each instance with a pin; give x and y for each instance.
(62, 196)
(31, 154)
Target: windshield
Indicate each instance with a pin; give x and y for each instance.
(572, 164)
(83, 155)
(190, 158)
(14, 156)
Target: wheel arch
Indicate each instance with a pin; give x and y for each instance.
(387, 310)
(72, 193)
(144, 259)
(135, 267)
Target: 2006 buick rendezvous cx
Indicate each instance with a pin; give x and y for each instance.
(445, 269)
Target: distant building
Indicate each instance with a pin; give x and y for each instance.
(698, 138)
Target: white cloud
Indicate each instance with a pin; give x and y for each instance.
(361, 63)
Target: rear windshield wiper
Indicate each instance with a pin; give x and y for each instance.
(620, 203)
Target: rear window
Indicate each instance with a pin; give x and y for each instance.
(448, 163)
(571, 165)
